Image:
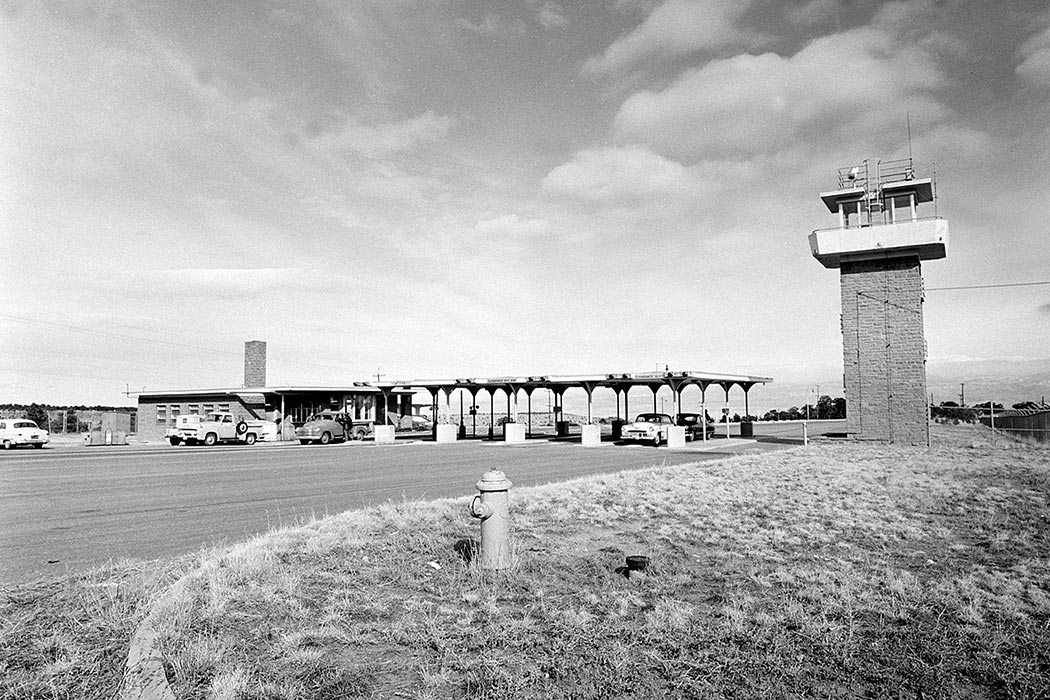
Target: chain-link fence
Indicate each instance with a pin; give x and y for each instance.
(1031, 424)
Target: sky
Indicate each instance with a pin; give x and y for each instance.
(440, 188)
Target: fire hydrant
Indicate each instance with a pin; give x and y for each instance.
(492, 507)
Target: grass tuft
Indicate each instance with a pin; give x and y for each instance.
(68, 638)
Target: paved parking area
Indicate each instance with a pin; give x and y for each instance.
(70, 507)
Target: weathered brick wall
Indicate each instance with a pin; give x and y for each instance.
(255, 363)
(884, 353)
(150, 428)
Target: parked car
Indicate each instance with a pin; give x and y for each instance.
(694, 426)
(15, 432)
(416, 423)
(329, 426)
(648, 427)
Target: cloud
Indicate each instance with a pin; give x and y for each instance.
(812, 13)
(513, 226)
(837, 87)
(234, 282)
(492, 25)
(551, 15)
(383, 139)
(618, 174)
(1034, 54)
(391, 184)
(674, 28)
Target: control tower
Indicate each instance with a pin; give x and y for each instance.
(882, 237)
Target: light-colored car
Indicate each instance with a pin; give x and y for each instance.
(328, 426)
(648, 427)
(15, 432)
(416, 423)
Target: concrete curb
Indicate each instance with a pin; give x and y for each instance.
(144, 677)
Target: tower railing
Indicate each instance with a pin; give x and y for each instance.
(873, 222)
(871, 176)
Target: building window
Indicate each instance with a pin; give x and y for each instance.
(224, 407)
(162, 413)
(195, 409)
(208, 408)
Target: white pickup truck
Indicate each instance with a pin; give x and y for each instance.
(214, 428)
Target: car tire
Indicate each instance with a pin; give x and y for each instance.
(656, 440)
(242, 428)
(175, 441)
(210, 439)
(7, 444)
(359, 434)
(304, 442)
(38, 445)
(250, 439)
(326, 438)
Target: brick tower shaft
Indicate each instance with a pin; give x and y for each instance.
(883, 349)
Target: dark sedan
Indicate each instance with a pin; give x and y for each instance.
(694, 426)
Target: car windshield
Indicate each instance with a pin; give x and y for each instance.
(24, 424)
(647, 418)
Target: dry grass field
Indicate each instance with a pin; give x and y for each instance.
(836, 571)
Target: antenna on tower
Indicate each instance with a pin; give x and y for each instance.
(909, 135)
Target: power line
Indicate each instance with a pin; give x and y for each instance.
(986, 286)
(168, 343)
(95, 331)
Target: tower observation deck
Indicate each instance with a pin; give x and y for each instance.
(878, 206)
(878, 246)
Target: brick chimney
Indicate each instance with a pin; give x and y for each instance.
(255, 364)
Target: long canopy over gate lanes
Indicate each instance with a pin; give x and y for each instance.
(618, 382)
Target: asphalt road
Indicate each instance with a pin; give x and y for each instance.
(66, 509)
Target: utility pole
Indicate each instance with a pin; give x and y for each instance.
(962, 394)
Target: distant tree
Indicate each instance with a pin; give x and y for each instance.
(838, 409)
(988, 406)
(949, 404)
(37, 414)
(825, 405)
(953, 414)
(1027, 404)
